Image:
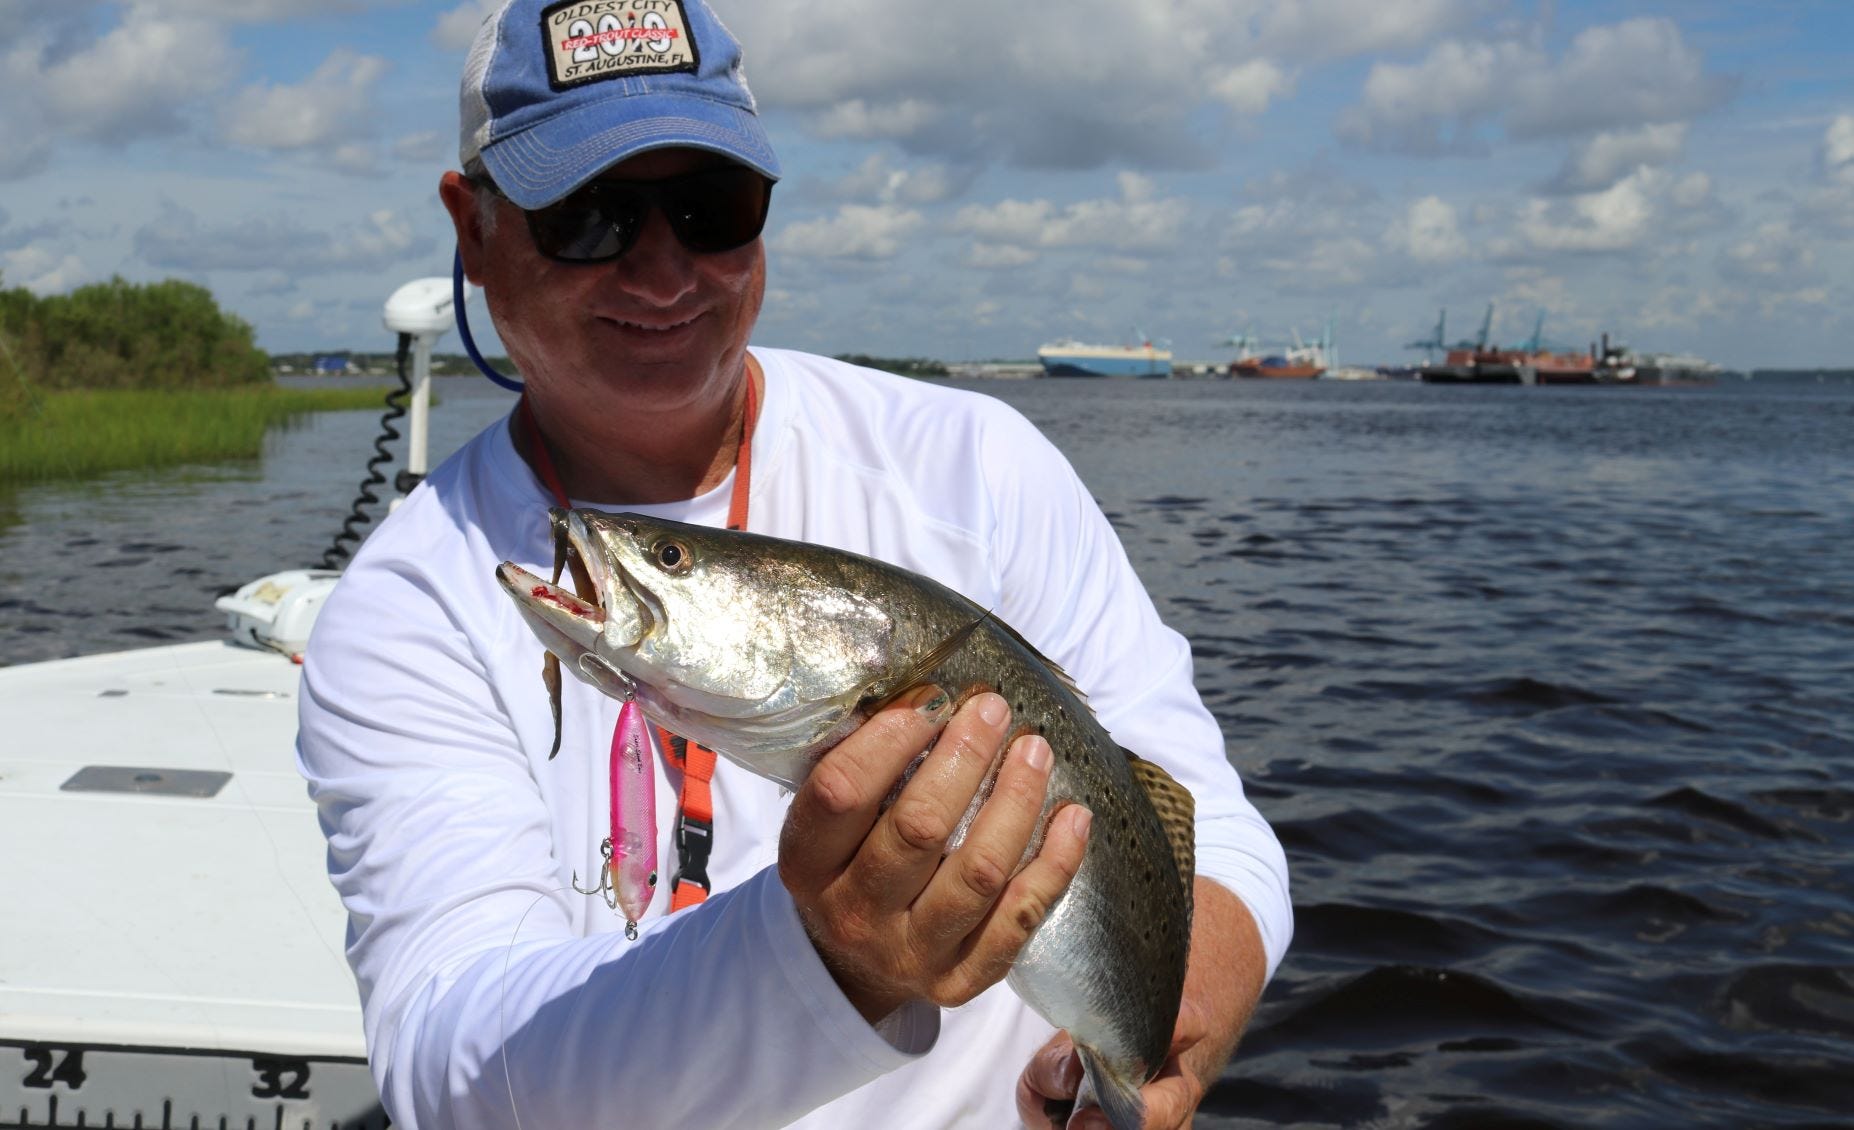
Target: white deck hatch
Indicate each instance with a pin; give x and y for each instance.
(172, 949)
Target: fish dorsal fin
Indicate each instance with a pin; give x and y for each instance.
(1177, 811)
(1055, 668)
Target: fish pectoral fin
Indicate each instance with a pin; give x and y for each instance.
(1177, 811)
(921, 670)
(1118, 1098)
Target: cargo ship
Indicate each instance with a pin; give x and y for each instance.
(1618, 364)
(1079, 359)
(1299, 361)
(1277, 366)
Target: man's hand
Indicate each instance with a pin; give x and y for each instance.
(893, 917)
(1222, 982)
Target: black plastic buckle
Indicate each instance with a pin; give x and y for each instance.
(694, 840)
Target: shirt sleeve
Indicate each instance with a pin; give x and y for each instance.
(1068, 586)
(482, 1003)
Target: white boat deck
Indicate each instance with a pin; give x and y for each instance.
(152, 932)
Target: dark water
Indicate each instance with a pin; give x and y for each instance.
(1546, 691)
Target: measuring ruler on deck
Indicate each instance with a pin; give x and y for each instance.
(156, 1088)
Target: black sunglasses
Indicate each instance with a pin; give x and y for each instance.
(710, 211)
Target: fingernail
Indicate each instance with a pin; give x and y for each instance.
(1036, 753)
(931, 702)
(992, 709)
(1079, 820)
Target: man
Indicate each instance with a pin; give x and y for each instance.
(844, 971)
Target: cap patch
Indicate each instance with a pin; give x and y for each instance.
(594, 40)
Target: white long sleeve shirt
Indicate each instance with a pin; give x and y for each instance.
(488, 984)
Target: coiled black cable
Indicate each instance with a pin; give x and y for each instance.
(338, 550)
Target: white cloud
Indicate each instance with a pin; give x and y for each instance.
(1076, 85)
(1340, 261)
(1606, 158)
(1331, 29)
(456, 28)
(135, 80)
(1434, 106)
(1139, 221)
(425, 146)
(860, 119)
(999, 256)
(877, 179)
(1248, 88)
(1692, 191)
(1619, 218)
(42, 271)
(1837, 155)
(1771, 256)
(330, 108)
(1615, 78)
(177, 240)
(261, 11)
(857, 231)
(1428, 232)
(25, 139)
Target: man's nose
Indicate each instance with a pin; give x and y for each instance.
(657, 269)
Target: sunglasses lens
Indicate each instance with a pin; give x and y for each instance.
(710, 211)
(717, 210)
(588, 228)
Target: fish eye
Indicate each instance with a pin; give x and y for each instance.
(672, 557)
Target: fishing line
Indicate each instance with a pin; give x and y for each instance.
(502, 996)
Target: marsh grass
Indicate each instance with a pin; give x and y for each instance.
(71, 434)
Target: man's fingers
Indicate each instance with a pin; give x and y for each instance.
(974, 877)
(1048, 1083)
(908, 844)
(1170, 1101)
(1024, 904)
(1193, 1025)
(1055, 1071)
(837, 804)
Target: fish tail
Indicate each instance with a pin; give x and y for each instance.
(1117, 1097)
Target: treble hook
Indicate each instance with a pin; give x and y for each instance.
(605, 887)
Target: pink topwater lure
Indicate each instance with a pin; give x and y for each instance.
(630, 871)
(634, 816)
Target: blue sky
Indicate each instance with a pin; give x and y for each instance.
(968, 179)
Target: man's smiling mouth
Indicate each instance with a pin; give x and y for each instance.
(654, 327)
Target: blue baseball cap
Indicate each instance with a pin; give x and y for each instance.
(557, 91)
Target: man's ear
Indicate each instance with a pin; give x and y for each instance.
(459, 197)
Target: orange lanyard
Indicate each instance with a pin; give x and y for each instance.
(695, 813)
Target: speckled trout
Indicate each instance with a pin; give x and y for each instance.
(769, 652)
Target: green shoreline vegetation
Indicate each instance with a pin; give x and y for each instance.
(116, 376)
(78, 433)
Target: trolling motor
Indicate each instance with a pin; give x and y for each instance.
(276, 612)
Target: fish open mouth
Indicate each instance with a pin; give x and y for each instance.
(572, 622)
